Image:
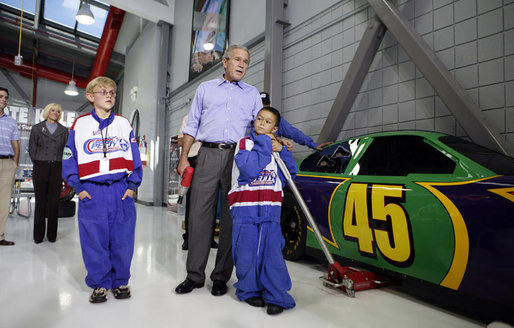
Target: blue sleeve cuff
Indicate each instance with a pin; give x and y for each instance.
(78, 188)
(313, 145)
(132, 186)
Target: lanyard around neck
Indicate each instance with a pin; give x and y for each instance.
(104, 140)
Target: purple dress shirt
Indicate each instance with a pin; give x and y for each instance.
(222, 112)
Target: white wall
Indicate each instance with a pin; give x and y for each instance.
(472, 38)
(298, 11)
(247, 20)
(141, 70)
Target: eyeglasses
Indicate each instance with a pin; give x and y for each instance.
(105, 93)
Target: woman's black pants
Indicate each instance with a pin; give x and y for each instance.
(47, 185)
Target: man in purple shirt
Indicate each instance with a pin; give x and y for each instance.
(9, 155)
(221, 114)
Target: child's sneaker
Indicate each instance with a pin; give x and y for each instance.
(121, 292)
(99, 295)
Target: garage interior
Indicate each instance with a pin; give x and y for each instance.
(335, 69)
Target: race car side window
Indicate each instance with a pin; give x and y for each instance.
(403, 155)
(333, 159)
(492, 160)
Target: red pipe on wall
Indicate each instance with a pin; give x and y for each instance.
(105, 47)
(40, 71)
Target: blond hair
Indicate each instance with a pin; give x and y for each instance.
(52, 106)
(101, 81)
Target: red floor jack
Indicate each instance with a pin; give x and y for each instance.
(347, 278)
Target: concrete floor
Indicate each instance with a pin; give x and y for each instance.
(43, 286)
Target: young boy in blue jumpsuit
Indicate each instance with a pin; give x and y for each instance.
(255, 205)
(101, 161)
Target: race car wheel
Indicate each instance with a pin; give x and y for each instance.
(67, 192)
(66, 209)
(294, 228)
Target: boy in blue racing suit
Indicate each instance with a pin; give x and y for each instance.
(101, 161)
(255, 205)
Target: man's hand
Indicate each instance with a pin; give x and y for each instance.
(83, 194)
(128, 193)
(321, 145)
(285, 142)
(276, 146)
(182, 164)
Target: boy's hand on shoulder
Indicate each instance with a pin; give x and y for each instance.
(128, 193)
(83, 194)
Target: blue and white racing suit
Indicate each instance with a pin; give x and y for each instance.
(102, 157)
(255, 204)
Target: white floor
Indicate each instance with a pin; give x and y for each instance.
(43, 286)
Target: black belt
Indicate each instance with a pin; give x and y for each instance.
(218, 145)
(6, 156)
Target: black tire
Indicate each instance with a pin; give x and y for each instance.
(67, 192)
(294, 228)
(66, 209)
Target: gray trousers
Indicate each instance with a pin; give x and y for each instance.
(213, 171)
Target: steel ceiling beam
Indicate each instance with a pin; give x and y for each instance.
(27, 70)
(352, 81)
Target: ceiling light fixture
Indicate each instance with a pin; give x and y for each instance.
(84, 15)
(18, 60)
(71, 89)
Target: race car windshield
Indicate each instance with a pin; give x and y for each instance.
(492, 160)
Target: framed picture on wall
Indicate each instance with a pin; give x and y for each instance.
(209, 34)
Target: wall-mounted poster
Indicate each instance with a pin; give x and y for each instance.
(209, 35)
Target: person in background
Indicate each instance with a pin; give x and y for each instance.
(255, 205)
(9, 156)
(286, 130)
(46, 143)
(101, 161)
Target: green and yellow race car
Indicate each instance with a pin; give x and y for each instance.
(418, 204)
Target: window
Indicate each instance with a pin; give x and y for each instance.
(209, 35)
(62, 13)
(29, 6)
(333, 159)
(403, 155)
(494, 161)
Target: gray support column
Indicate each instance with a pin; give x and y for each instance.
(274, 35)
(160, 126)
(459, 103)
(352, 82)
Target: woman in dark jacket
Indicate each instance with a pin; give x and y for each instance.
(47, 140)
